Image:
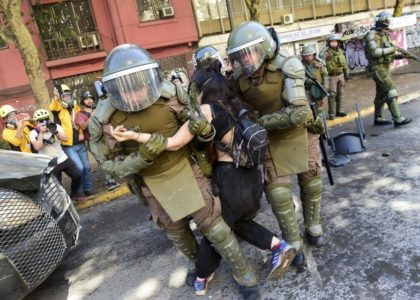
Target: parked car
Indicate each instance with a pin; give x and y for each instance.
(38, 222)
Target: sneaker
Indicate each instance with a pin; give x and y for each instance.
(341, 114)
(111, 184)
(201, 288)
(282, 257)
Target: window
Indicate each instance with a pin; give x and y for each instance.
(150, 10)
(67, 28)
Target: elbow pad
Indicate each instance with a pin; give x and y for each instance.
(131, 165)
(292, 116)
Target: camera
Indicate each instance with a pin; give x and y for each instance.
(51, 126)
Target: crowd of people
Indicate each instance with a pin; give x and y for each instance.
(63, 133)
(181, 147)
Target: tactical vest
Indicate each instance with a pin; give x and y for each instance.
(382, 41)
(315, 68)
(266, 97)
(336, 62)
(157, 118)
(288, 147)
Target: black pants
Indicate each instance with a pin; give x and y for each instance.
(72, 171)
(240, 190)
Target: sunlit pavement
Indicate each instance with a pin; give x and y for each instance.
(371, 217)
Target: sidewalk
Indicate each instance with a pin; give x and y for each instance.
(360, 89)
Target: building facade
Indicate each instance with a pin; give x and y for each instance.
(74, 37)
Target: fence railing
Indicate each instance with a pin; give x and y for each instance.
(73, 45)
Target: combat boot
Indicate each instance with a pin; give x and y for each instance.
(379, 120)
(249, 293)
(396, 115)
(310, 195)
(225, 242)
(339, 107)
(331, 105)
(185, 242)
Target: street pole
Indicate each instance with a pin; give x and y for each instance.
(230, 13)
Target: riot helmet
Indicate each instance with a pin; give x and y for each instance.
(335, 37)
(308, 53)
(248, 46)
(383, 20)
(204, 56)
(308, 50)
(132, 78)
(86, 95)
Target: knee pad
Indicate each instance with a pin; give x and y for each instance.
(218, 232)
(280, 196)
(184, 241)
(391, 95)
(312, 186)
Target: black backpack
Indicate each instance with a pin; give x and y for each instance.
(249, 143)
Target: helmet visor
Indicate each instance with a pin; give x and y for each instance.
(246, 61)
(134, 89)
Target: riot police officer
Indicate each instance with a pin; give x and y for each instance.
(316, 67)
(273, 84)
(338, 74)
(381, 52)
(204, 56)
(143, 101)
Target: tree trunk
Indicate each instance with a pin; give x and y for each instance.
(398, 8)
(23, 41)
(254, 9)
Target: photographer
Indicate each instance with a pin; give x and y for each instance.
(16, 131)
(46, 138)
(64, 109)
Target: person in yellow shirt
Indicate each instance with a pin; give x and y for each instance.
(64, 109)
(16, 132)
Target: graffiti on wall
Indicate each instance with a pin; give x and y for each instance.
(413, 36)
(398, 37)
(355, 54)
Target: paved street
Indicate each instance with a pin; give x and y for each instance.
(371, 217)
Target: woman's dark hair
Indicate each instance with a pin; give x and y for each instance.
(215, 88)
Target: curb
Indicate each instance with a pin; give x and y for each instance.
(122, 190)
(104, 197)
(370, 110)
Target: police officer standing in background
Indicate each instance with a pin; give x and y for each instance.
(338, 73)
(273, 84)
(316, 67)
(381, 52)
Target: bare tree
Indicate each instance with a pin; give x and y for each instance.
(254, 7)
(13, 29)
(398, 8)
